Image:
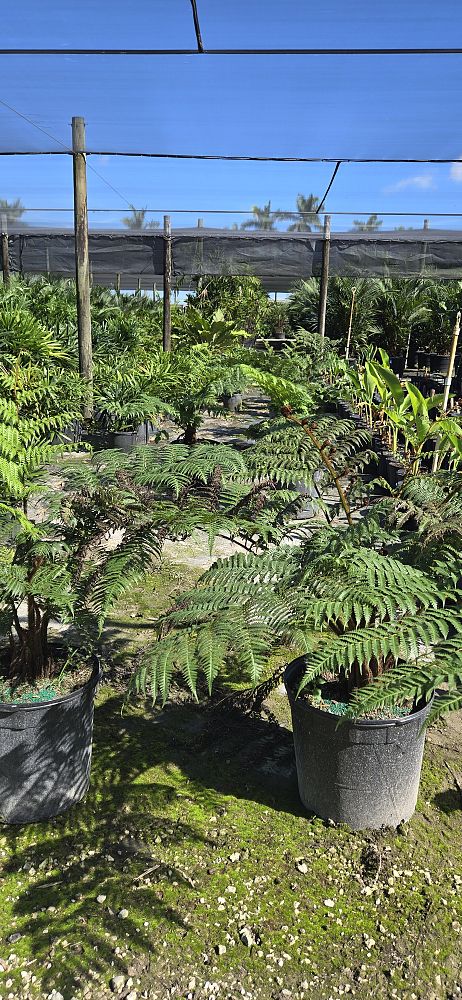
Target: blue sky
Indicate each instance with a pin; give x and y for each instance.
(299, 106)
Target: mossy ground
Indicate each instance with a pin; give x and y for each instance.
(193, 826)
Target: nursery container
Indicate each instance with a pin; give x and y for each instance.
(397, 364)
(99, 440)
(124, 440)
(233, 402)
(69, 434)
(364, 773)
(423, 360)
(127, 440)
(45, 754)
(438, 364)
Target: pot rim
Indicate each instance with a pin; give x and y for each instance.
(93, 680)
(295, 665)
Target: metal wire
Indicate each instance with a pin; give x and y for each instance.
(245, 159)
(197, 27)
(235, 52)
(321, 203)
(281, 213)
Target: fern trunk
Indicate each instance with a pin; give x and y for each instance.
(190, 434)
(30, 658)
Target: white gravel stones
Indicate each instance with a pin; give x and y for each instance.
(117, 984)
(246, 936)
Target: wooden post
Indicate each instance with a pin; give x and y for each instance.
(167, 324)
(117, 282)
(408, 347)
(447, 384)
(82, 260)
(347, 351)
(324, 279)
(5, 253)
(138, 286)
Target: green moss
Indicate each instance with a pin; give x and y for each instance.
(194, 826)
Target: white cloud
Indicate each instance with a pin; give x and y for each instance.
(421, 181)
(455, 172)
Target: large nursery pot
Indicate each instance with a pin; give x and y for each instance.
(45, 754)
(124, 440)
(364, 773)
(127, 440)
(423, 360)
(397, 364)
(438, 364)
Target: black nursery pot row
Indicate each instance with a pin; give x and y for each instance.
(99, 440)
(386, 465)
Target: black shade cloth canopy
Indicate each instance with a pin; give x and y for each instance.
(278, 258)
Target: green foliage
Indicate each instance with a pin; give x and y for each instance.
(401, 307)
(304, 305)
(241, 299)
(192, 327)
(367, 604)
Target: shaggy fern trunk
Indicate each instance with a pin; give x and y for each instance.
(190, 434)
(30, 658)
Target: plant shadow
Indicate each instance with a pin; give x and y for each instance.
(448, 801)
(120, 843)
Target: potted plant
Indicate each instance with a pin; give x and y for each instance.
(53, 570)
(375, 608)
(124, 408)
(403, 307)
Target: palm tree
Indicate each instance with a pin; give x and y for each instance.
(306, 218)
(263, 218)
(136, 219)
(370, 225)
(11, 210)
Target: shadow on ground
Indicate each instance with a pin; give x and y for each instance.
(120, 843)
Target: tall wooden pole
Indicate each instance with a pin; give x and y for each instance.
(324, 279)
(350, 325)
(82, 260)
(447, 384)
(167, 327)
(5, 254)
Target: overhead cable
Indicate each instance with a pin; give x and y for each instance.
(243, 159)
(235, 52)
(321, 203)
(197, 27)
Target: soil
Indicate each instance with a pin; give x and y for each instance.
(329, 696)
(71, 671)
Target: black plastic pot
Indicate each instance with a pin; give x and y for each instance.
(69, 434)
(395, 473)
(99, 440)
(397, 364)
(124, 440)
(423, 359)
(363, 773)
(438, 364)
(127, 440)
(412, 358)
(233, 402)
(45, 754)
